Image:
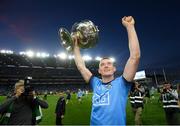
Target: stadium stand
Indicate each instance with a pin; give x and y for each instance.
(56, 74)
(47, 73)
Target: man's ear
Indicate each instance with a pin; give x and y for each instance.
(114, 69)
(99, 71)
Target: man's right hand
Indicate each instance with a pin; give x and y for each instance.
(75, 42)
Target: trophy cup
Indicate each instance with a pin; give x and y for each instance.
(86, 32)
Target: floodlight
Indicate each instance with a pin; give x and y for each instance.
(87, 57)
(98, 58)
(112, 59)
(30, 53)
(62, 55)
(70, 57)
(38, 54)
(22, 53)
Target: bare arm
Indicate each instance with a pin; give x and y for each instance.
(133, 61)
(86, 74)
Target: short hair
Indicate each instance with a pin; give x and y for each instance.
(134, 82)
(166, 82)
(107, 58)
(19, 83)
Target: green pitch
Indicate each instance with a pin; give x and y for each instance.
(79, 113)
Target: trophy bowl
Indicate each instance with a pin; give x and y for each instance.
(85, 31)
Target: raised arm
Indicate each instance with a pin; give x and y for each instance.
(86, 74)
(133, 61)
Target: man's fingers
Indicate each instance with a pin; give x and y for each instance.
(124, 18)
(127, 18)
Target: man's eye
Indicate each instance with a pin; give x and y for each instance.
(109, 63)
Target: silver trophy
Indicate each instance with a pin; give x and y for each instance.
(86, 32)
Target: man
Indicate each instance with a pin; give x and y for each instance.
(68, 96)
(170, 104)
(136, 99)
(110, 93)
(60, 109)
(79, 95)
(45, 95)
(146, 94)
(22, 108)
(178, 90)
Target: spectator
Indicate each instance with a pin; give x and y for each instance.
(178, 90)
(79, 95)
(146, 94)
(68, 96)
(136, 99)
(60, 109)
(170, 104)
(45, 95)
(23, 107)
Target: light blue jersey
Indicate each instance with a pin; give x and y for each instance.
(109, 101)
(79, 94)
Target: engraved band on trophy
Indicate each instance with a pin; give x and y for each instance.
(86, 32)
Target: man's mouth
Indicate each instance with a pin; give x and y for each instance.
(106, 70)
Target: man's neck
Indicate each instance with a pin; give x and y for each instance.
(107, 79)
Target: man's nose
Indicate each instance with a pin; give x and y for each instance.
(106, 65)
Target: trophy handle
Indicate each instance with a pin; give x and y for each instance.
(66, 39)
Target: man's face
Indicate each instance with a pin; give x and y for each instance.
(167, 86)
(106, 67)
(20, 88)
(137, 85)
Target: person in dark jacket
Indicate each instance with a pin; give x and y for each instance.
(136, 99)
(60, 109)
(68, 96)
(21, 108)
(169, 98)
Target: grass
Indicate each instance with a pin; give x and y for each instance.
(79, 114)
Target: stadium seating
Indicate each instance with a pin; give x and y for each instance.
(48, 71)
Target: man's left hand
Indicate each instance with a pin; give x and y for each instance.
(128, 21)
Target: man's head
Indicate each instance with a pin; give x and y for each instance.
(61, 95)
(19, 86)
(167, 85)
(106, 67)
(137, 84)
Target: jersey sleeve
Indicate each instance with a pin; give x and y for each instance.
(125, 85)
(93, 82)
